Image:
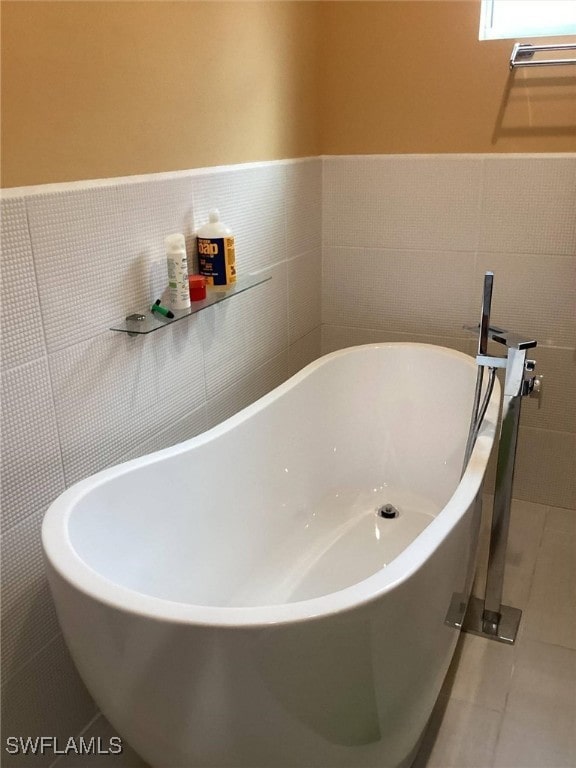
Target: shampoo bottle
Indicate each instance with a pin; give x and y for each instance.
(177, 272)
(216, 253)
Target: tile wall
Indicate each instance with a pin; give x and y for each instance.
(77, 397)
(406, 242)
(360, 249)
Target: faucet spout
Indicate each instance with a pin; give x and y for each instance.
(511, 340)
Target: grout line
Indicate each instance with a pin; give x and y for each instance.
(502, 157)
(169, 426)
(501, 721)
(285, 238)
(535, 562)
(20, 669)
(446, 250)
(482, 191)
(548, 431)
(403, 249)
(289, 291)
(552, 645)
(54, 412)
(98, 714)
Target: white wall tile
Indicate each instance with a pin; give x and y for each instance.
(544, 470)
(304, 292)
(189, 426)
(31, 467)
(28, 616)
(533, 295)
(305, 350)
(338, 337)
(100, 252)
(244, 333)
(529, 205)
(46, 698)
(556, 408)
(546, 452)
(251, 202)
(22, 338)
(303, 207)
(402, 201)
(265, 378)
(408, 291)
(113, 392)
(243, 392)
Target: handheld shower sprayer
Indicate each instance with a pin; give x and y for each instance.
(479, 411)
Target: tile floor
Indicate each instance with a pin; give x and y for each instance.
(515, 706)
(501, 706)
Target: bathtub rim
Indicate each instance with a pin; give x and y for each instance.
(61, 557)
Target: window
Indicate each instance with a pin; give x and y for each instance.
(500, 19)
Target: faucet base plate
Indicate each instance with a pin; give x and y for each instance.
(503, 630)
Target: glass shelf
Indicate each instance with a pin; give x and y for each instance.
(152, 321)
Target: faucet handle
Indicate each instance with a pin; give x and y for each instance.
(492, 329)
(532, 385)
(536, 388)
(502, 336)
(510, 339)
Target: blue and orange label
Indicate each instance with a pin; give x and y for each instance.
(217, 260)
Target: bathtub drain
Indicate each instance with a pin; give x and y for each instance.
(387, 511)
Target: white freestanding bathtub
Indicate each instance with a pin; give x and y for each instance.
(236, 600)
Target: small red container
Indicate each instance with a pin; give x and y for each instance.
(197, 284)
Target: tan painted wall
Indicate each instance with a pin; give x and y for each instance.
(98, 89)
(409, 76)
